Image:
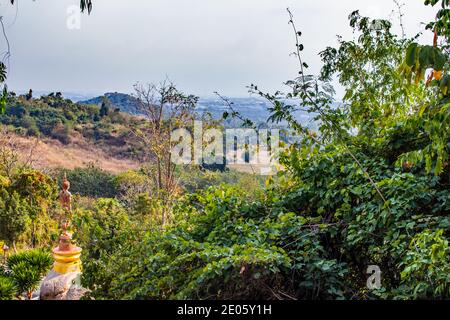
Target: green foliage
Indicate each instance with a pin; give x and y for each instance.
(57, 118)
(25, 199)
(134, 188)
(148, 208)
(433, 116)
(356, 193)
(344, 201)
(4, 96)
(143, 204)
(100, 232)
(91, 182)
(442, 24)
(194, 179)
(365, 231)
(224, 247)
(14, 216)
(7, 288)
(38, 191)
(26, 278)
(426, 270)
(367, 68)
(37, 259)
(28, 268)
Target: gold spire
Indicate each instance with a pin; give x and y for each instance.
(67, 256)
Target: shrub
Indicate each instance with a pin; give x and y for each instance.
(7, 288)
(426, 267)
(131, 186)
(14, 216)
(28, 268)
(91, 182)
(62, 133)
(26, 278)
(100, 232)
(221, 245)
(37, 259)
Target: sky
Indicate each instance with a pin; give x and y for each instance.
(203, 46)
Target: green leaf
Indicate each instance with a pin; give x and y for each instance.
(411, 54)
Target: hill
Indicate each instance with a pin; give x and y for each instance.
(125, 102)
(46, 153)
(255, 109)
(82, 126)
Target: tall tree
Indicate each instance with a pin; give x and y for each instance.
(104, 110)
(165, 109)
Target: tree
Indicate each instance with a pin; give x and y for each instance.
(38, 191)
(433, 116)
(14, 217)
(367, 68)
(104, 110)
(165, 109)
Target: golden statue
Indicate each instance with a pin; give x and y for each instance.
(63, 282)
(67, 256)
(65, 197)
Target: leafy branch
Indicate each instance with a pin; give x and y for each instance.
(316, 96)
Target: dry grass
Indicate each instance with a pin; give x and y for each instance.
(49, 153)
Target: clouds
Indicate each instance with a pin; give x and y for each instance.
(202, 45)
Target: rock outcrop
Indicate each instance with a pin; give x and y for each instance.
(58, 286)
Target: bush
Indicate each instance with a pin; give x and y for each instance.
(91, 182)
(38, 259)
(194, 179)
(26, 278)
(7, 288)
(132, 185)
(28, 268)
(222, 246)
(14, 216)
(100, 232)
(62, 133)
(426, 267)
(312, 238)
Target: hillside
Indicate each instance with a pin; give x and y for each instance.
(47, 153)
(253, 108)
(125, 102)
(60, 122)
(64, 134)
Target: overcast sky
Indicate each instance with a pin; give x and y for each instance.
(202, 45)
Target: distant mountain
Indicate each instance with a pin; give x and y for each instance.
(255, 109)
(125, 102)
(252, 108)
